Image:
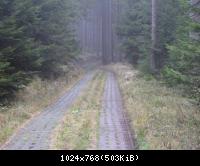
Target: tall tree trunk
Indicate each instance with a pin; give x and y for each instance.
(107, 31)
(104, 38)
(111, 31)
(153, 35)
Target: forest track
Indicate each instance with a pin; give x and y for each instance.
(35, 135)
(114, 129)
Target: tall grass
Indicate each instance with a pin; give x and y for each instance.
(161, 117)
(32, 100)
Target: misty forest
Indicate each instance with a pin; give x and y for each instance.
(99, 74)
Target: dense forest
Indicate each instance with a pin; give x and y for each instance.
(36, 36)
(159, 37)
(163, 37)
(99, 74)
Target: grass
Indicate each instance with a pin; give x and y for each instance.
(32, 100)
(79, 128)
(160, 117)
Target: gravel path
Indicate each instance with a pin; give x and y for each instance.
(114, 131)
(36, 134)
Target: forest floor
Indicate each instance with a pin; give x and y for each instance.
(114, 107)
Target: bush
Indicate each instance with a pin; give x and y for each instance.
(173, 77)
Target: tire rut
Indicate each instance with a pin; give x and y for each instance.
(114, 129)
(35, 135)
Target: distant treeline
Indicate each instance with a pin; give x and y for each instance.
(163, 37)
(36, 36)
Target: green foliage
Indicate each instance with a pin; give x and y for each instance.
(184, 53)
(177, 54)
(173, 77)
(134, 30)
(36, 36)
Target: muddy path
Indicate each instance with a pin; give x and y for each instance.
(114, 129)
(35, 135)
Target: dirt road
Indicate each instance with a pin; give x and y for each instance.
(36, 134)
(114, 130)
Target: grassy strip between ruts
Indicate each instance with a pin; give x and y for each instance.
(160, 117)
(33, 99)
(79, 128)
